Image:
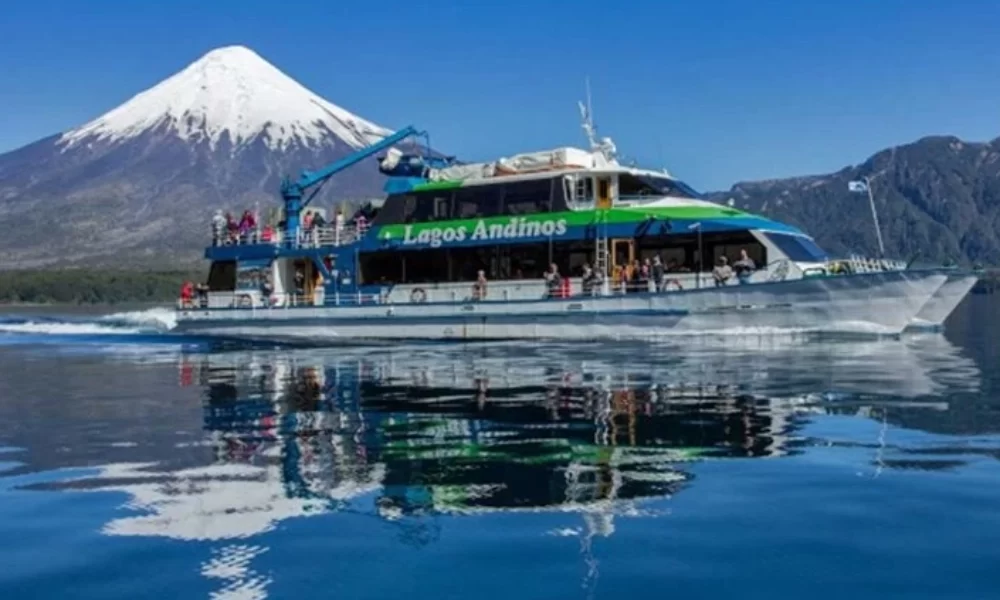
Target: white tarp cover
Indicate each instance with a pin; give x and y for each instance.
(560, 158)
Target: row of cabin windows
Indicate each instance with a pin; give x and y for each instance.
(530, 261)
(517, 198)
(475, 202)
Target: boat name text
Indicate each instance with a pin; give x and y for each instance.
(516, 228)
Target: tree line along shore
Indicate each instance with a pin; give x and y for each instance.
(93, 286)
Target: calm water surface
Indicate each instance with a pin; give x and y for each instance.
(136, 464)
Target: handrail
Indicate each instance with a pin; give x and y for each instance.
(314, 237)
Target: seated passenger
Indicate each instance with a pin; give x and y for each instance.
(722, 272)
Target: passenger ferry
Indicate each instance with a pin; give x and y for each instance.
(471, 251)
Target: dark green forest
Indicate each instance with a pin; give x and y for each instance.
(92, 286)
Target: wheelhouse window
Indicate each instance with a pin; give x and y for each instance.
(797, 248)
(641, 186)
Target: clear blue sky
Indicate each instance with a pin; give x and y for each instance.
(716, 91)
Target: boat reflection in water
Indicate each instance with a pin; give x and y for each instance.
(406, 435)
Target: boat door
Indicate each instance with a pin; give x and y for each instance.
(603, 192)
(308, 281)
(622, 255)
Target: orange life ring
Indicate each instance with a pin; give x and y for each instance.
(418, 295)
(677, 282)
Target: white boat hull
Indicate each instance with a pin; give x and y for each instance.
(881, 303)
(944, 301)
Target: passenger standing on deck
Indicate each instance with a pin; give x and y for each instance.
(553, 281)
(218, 227)
(318, 223)
(338, 226)
(232, 228)
(744, 267)
(187, 294)
(479, 287)
(588, 280)
(658, 272)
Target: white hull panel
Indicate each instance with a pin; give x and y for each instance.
(876, 303)
(944, 301)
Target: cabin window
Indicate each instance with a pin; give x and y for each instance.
(528, 261)
(478, 202)
(222, 276)
(442, 208)
(396, 209)
(425, 266)
(680, 252)
(585, 190)
(251, 274)
(380, 268)
(527, 197)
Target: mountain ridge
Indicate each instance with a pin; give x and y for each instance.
(938, 200)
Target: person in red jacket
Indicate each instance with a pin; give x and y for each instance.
(187, 294)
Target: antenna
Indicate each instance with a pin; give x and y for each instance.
(605, 146)
(587, 116)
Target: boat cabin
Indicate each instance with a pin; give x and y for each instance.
(511, 220)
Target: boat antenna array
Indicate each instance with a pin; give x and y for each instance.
(604, 146)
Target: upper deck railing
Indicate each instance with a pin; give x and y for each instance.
(314, 237)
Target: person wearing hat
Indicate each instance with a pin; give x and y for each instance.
(722, 272)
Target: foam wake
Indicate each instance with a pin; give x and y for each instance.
(152, 321)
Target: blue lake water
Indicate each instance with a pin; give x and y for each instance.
(137, 464)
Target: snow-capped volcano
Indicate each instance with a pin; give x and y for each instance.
(230, 91)
(138, 184)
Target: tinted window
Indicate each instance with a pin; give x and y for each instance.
(650, 185)
(222, 276)
(527, 197)
(477, 202)
(396, 209)
(797, 248)
(380, 267)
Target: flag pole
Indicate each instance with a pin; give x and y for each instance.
(878, 230)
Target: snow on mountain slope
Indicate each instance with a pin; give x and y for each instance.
(232, 92)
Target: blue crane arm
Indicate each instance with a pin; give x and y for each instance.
(308, 178)
(292, 191)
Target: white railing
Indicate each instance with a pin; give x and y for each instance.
(861, 264)
(314, 237)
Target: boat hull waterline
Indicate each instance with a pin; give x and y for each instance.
(876, 303)
(944, 301)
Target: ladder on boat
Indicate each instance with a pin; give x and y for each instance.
(601, 242)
